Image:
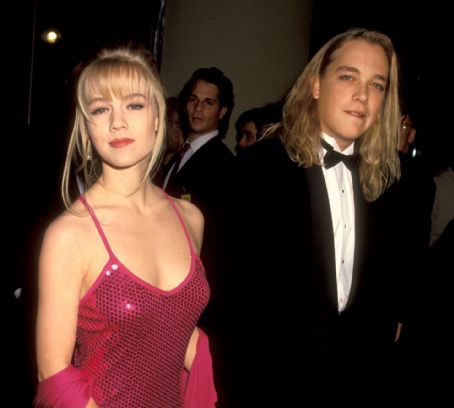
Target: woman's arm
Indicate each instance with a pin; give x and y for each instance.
(191, 350)
(195, 222)
(60, 277)
(59, 286)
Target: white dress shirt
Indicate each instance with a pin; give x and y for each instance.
(338, 181)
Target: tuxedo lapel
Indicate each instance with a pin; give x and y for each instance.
(322, 232)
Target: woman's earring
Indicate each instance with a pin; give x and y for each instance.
(89, 153)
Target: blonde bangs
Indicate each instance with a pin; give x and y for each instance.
(113, 79)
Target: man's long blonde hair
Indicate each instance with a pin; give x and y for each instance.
(300, 126)
(114, 72)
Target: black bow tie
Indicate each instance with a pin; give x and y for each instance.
(332, 157)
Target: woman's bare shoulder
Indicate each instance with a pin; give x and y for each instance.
(70, 228)
(190, 212)
(194, 220)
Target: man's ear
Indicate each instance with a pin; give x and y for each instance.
(222, 112)
(315, 89)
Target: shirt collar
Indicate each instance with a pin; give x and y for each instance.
(349, 150)
(197, 143)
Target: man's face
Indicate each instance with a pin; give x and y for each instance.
(248, 135)
(203, 109)
(352, 90)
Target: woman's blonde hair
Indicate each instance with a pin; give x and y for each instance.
(300, 127)
(113, 73)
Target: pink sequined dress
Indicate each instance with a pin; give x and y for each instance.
(132, 337)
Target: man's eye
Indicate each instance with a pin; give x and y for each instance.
(380, 87)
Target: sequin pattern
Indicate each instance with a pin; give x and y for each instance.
(132, 338)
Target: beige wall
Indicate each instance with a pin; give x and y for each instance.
(261, 45)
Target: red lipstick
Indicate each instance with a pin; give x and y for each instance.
(119, 143)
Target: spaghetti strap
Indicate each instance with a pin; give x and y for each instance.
(180, 217)
(97, 224)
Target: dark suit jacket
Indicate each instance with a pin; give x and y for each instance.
(205, 176)
(283, 285)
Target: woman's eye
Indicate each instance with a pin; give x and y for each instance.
(98, 111)
(136, 106)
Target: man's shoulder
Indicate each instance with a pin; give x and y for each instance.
(265, 150)
(216, 145)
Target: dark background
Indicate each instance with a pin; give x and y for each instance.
(35, 130)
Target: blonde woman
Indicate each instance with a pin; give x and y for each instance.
(121, 285)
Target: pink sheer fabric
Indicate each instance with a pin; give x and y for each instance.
(198, 385)
(70, 387)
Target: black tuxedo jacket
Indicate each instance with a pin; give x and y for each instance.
(284, 315)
